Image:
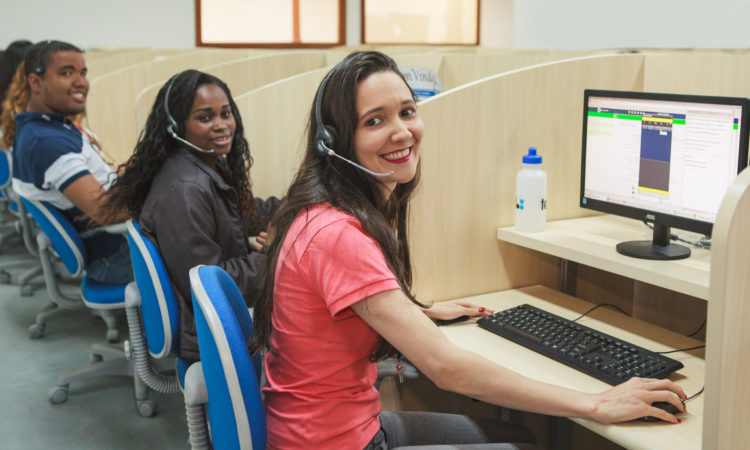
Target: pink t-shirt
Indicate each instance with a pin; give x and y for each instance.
(319, 391)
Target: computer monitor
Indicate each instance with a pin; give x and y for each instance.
(666, 159)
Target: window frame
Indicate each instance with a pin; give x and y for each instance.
(295, 8)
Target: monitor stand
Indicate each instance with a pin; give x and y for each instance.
(659, 248)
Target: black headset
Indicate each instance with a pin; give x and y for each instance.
(40, 67)
(172, 127)
(325, 136)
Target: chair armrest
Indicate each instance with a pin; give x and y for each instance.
(195, 386)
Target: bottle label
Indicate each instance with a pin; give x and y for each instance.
(521, 204)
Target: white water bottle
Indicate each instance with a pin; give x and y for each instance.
(531, 194)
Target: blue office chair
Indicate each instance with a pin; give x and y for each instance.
(58, 235)
(226, 379)
(19, 225)
(152, 312)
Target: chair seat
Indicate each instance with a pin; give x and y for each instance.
(102, 296)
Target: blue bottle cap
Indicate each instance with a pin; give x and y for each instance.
(532, 157)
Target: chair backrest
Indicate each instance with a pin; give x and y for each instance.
(64, 238)
(225, 329)
(6, 173)
(158, 303)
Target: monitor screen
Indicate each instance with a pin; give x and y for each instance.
(664, 158)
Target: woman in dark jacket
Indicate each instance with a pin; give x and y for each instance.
(188, 185)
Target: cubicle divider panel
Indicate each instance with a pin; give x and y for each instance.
(95, 53)
(728, 337)
(461, 68)
(99, 67)
(111, 110)
(275, 118)
(475, 136)
(241, 76)
(700, 73)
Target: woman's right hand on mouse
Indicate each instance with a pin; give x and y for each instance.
(633, 399)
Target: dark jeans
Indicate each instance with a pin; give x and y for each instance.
(112, 269)
(447, 431)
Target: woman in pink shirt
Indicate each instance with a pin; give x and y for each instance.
(338, 297)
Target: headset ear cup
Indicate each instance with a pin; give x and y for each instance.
(329, 136)
(325, 139)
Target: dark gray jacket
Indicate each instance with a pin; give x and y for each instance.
(192, 215)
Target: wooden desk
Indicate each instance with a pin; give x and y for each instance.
(636, 434)
(592, 240)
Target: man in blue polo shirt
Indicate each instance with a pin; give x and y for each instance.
(56, 161)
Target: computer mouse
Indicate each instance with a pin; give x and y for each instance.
(441, 322)
(666, 406)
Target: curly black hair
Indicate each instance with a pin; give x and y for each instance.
(155, 145)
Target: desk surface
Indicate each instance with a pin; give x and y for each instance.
(592, 240)
(636, 434)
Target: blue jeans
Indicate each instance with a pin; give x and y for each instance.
(112, 269)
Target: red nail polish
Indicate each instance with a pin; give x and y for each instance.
(679, 420)
(481, 309)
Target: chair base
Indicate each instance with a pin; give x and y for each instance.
(105, 360)
(52, 310)
(24, 280)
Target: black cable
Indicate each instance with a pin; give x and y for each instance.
(701, 242)
(699, 329)
(695, 395)
(600, 305)
(681, 350)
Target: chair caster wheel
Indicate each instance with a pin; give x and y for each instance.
(113, 336)
(36, 330)
(95, 358)
(4, 277)
(58, 394)
(146, 408)
(27, 291)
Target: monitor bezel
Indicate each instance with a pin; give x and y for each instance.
(632, 212)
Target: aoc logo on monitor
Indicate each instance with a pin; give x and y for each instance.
(650, 216)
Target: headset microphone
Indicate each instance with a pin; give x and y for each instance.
(173, 124)
(325, 136)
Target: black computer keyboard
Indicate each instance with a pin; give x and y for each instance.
(592, 352)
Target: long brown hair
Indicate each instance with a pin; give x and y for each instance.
(324, 179)
(16, 99)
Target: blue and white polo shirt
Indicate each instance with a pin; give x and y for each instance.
(50, 153)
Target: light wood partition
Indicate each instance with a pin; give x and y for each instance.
(728, 340)
(475, 136)
(110, 108)
(275, 117)
(100, 66)
(461, 68)
(241, 76)
(701, 73)
(96, 52)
